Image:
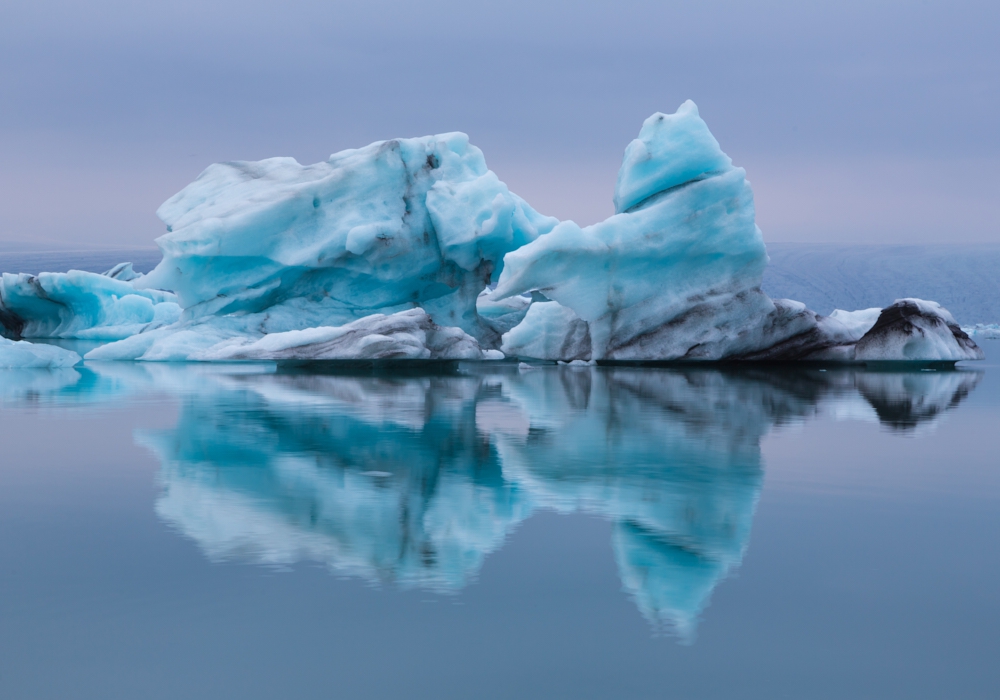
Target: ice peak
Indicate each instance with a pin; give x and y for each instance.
(671, 149)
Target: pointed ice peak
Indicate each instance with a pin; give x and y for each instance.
(671, 149)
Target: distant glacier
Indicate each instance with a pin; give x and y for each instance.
(964, 278)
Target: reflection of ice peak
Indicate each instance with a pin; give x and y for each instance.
(670, 582)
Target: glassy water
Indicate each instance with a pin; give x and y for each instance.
(480, 531)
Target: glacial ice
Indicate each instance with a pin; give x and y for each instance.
(20, 354)
(404, 335)
(413, 249)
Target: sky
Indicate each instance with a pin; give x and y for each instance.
(857, 122)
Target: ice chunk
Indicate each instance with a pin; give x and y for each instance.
(676, 274)
(549, 331)
(914, 329)
(82, 305)
(22, 354)
(828, 338)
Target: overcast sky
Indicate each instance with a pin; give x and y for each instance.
(856, 121)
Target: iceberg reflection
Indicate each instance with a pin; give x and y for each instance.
(414, 480)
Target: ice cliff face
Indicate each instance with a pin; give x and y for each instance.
(390, 251)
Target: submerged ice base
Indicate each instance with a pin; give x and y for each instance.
(21, 354)
(413, 249)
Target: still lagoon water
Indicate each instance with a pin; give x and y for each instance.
(484, 531)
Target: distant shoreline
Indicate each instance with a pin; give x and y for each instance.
(32, 262)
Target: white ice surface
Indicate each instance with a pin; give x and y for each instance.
(856, 323)
(21, 354)
(404, 335)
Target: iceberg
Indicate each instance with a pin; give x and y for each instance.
(913, 329)
(413, 249)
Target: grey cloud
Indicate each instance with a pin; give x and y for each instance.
(109, 108)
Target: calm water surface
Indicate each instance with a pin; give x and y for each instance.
(187, 531)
